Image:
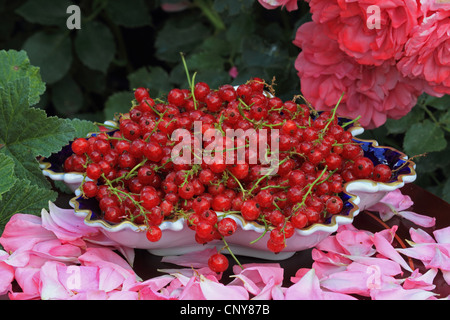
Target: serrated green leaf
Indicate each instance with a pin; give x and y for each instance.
(131, 16)
(27, 133)
(155, 79)
(119, 102)
(95, 46)
(424, 137)
(24, 197)
(7, 177)
(46, 12)
(52, 52)
(82, 127)
(14, 65)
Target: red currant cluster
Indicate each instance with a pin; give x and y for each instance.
(133, 176)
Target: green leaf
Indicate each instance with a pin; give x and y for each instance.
(82, 127)
(445, 120)
(52, 52)
(446, 191)
(403, 124)
(67, 97)
(24, 197)
(175, 38)
(27, 133)
(46, 12)
(442, 103)
(95, 46)
(14, 65)
(234, 7)
(7, 177)
(205, 60)
(155, 79)
(424, 137)
(127, 15)
(119, 102)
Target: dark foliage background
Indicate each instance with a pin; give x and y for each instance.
(123, 44)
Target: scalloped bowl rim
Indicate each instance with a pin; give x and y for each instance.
(351, 189)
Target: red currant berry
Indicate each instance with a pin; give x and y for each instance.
(381, 173)
(113, 214)
(140, 94)
(334, 205)
(201, 90)
(176, 97)
(363, 168)
(154, 233)
(93, 171)
(218, 263)
(299, 220)
(90, 189)
(227, 227)
(250, 210)
(80, 146)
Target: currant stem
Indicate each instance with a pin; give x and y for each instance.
(334, 113)
(231, 252)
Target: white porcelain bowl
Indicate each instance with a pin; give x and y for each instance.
(177, 238)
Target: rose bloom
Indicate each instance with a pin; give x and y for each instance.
(371, 31)
(373, 92)
(290, 5)
(427, 52)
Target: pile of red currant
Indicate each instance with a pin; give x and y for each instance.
(130, 170)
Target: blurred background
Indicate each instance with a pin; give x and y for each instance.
(90, 73)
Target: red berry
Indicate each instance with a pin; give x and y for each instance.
(227, 227)
(154, 233)
(80, 146)
(218, 262)
(93, 171)
(153, 151)
(299, 220)
(275, 247)
(334, 205)
(113, 214)
(201, 90)
(221, 203)
(140, 94)
(250, 210)
(382, 173)
(90, 189)
(363, 168)
(176, 97)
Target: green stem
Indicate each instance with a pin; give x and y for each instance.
(231, 252)
(212, 16)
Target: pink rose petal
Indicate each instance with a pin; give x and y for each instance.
(386, 249)
(420, 220)
(307, 288)
(196, 259)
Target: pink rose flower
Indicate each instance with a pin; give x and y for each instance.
(373, 92)
(290, 5)
(427, 52)
(371, 31)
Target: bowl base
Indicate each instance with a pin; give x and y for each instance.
(236, 249)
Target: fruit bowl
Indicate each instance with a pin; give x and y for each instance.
(177, 238)
(140, 185)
